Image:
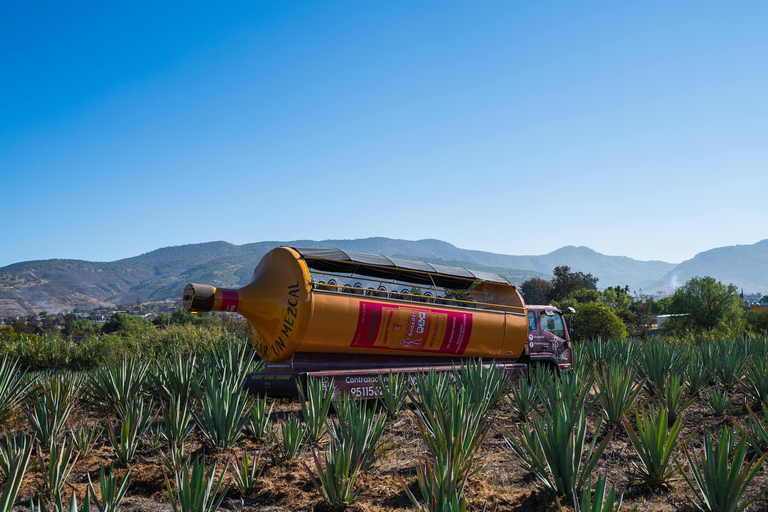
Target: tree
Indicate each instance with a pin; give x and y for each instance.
(536, 290)
(593, 320)
(127, 323)
(69, 324)
(567, 282)
(764, 300)
(583, 296)
(48, 325)
(617, 298)
(707, 305)
(757, 321)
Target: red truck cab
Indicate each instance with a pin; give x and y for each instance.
(549, 337)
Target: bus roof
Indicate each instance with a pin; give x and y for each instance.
(384, 267)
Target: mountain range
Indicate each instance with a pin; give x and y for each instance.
(62, 285)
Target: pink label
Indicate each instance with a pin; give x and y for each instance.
(412, 328)
(229, 300)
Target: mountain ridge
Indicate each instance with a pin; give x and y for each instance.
(58, 285)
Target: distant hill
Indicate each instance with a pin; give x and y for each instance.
(745, 266)
(62, 285)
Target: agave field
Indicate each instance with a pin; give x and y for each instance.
(637, 425)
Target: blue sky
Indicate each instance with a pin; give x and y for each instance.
(634, 128)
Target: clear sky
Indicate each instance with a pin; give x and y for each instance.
(634, 128)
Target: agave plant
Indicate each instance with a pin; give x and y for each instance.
(597, 502)
(654, 443)
(258, 422)
(224, 410)
(697, 375)
(430, 389)
(619, 391)
(14, 473)
(233, 361)
(554, 449)
(524, 398)
(455, 431)
(117, 384)
(196, 490)
(336, 475)
(135, 417)
(731, 362)
(152, 439)
(85, 438)
(12, 446)
(657, 362)
(394, 392)
(111, 494)
(13, 388)
(293, 435)
(756, 381)
(48, 415)
(756, 432)
(718, 401)
(358, 429)
(571, 388)
(58, 505)
(63, 387)
(177, 421)
(55, 471)
(722, 474)
(674, 399)
(486, 383)
(315, 403)
(440, 485)
(247, 473)
(177, 378)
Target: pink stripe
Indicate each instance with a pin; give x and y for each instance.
(229, 300)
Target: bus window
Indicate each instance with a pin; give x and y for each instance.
(553, 324)
(531, 321)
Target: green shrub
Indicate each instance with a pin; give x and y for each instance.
(593, 321)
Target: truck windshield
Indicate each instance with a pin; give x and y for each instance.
(553, 324)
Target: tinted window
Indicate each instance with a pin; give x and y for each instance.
(553, 324)
(531, 321)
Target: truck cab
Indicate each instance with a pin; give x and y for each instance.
(549, 340)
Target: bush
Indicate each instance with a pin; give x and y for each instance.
(132, 324)
(756, 321)
(595, 321)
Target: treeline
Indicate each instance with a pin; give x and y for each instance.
(705, 309)
(89, 345)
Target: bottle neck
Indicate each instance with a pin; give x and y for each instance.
(199, 298)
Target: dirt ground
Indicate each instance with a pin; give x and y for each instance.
(501, 482)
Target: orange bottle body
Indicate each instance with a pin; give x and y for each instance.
(288, 314)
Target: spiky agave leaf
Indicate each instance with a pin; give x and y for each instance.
(224, 410)
(619, 391)
(196, 490)
(315, 403)
(247, 473)
(15, 474)
(722, 474)
(358, 427)
(554, 449)
(111, 494)
(654, 443)
(13, 387)
(394, 392)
